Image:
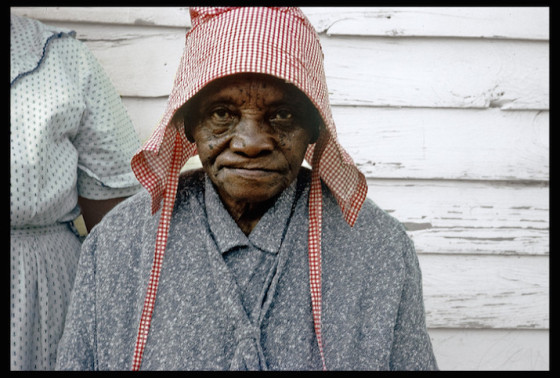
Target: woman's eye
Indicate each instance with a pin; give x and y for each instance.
(222, 115)
(282, 115)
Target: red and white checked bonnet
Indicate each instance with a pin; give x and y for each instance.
(223, 41)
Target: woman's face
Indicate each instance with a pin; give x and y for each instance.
(252, 132)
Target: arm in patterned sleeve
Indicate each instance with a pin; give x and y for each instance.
(106, 140)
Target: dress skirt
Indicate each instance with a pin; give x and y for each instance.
(43, 267)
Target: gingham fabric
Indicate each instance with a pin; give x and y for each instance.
(228, 40)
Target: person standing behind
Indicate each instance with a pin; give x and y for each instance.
(71, 142)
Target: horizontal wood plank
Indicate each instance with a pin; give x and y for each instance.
(485, 144)
(145, 114)
(486, 291)
(152, 16)
(492, 349)
(440, 73)
(141, 67)
(464, 22)
(449, 217)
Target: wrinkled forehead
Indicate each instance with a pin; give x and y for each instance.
(263, 89)
(240, 83)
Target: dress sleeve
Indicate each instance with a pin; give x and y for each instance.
(412, 348)
(106, 140)
(77, 347)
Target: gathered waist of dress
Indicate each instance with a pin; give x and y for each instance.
(39, 229)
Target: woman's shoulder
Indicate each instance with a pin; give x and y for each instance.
(372, 225)
(125, 217)
(137, 208)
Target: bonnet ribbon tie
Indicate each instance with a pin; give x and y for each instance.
(314, 243)
(161, 241)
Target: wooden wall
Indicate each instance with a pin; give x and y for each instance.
(446, 111)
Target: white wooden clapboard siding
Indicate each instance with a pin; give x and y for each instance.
(485, 291)
(491, 349)
(466, 218)
(369, 72)
(152, 16)
(425, 72)
(454, 22)
(487, 22)
(446, 112)
(428, 143)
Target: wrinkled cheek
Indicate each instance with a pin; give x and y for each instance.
(208, 165)
(208, 150)
(297, 158)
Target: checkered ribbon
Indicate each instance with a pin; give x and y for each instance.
(224, 41)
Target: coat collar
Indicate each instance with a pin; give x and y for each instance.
(266, 236)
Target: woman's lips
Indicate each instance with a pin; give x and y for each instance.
(253, 172)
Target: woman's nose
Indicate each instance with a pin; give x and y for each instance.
(251, 138)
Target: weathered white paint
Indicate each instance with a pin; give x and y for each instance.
(477, 349)
(487, 144)
(453, 22)
(462, 218)
(472, 22)
(145, 114)
(151, 16)
(486, 291)
(446, 111)
(373, 71)
(441, 73)
(141, 66)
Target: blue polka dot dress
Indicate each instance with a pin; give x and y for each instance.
(70, 135)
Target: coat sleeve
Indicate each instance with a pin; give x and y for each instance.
(412, 348)
(77, 347)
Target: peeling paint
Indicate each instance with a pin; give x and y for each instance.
(142, 22)
(472, 238)
(412, 226)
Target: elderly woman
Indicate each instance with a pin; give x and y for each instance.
(252, 262)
